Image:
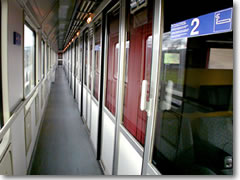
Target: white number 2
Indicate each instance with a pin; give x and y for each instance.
(197, 23)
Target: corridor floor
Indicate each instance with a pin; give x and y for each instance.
(64, 146)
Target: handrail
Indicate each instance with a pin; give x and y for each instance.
(20, 106)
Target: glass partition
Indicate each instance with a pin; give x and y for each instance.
(90, 61)
(194, 125)
(112, 60)
(85, 57)
(43, 58)
(97, 50)
(138, 68)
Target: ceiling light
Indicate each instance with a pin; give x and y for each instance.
(89, 19)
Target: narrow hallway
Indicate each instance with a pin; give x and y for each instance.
(63, 147)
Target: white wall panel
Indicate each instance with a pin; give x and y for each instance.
(18, 145)
(129, 161)
(34, 130)
(77, 91)
(79, 98)
(89, 110)
(15, 60)
(94, 125)
(108, 133)
(72, 81)
(84, 103)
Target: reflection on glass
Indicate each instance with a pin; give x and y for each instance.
(90, 64)
(43, 59)
(194, 127)
(81, 57)
(112, 60)
(137, 69)
(85, 57)
(29, 59)
(48, 59)
(97, 49)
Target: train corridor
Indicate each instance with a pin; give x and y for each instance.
(63, 147)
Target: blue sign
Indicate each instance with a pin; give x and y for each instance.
(212, 23)
(16, 38)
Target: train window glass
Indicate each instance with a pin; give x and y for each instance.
(138, 68)
(97, 48)
(50, 57)
(43, 59)
(112, 60)
(194, 125)
(85, 57)
(76, 56)
(90, 63)
(81, 57)
(29, 59)
(73, 59)
(47, 59)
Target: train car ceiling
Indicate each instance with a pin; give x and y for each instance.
(60, 20)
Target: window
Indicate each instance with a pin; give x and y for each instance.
(97, 50)
(48, 59)
(90, 63)
(138, 68)
(112, 60)
(43, 59)
(85, 57)
(81, 57)
(29, 59)
(194, 125)
(77, 58)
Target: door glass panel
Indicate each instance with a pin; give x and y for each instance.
(43, 58)
(90, 63)
(85, 57)
(138, 68)
(47, 59)
(81, 57)
(77, 58)
(97, 50)
(73, 59)
(194, 125)
(112, 60)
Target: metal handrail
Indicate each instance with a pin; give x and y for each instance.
(20, 106)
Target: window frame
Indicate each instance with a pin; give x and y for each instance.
(26, 23)
(115, 8)
(43, 58)
(1, 98)
(96, 64)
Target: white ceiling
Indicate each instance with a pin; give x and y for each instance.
(53, 16)
(60, 19)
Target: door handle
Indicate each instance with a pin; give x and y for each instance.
(144, 104)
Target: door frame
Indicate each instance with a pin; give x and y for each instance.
(143, 151)
(148, 167)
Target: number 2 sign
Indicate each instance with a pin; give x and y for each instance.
(212, 23)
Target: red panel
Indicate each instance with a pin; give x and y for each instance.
(139, 68)
(96, 78)
(111, 83)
